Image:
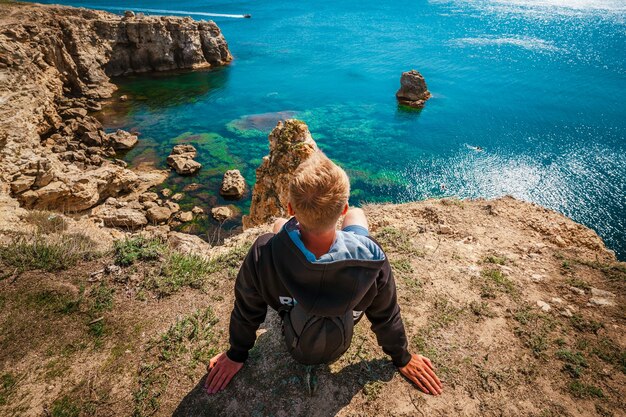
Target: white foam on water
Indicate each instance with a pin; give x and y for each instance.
(531, 44)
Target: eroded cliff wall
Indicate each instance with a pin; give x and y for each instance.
(55, 64)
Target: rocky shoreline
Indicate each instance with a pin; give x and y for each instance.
(55, 69)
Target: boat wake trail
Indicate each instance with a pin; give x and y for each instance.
(162, 11)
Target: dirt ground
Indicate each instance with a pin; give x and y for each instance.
(501, 295)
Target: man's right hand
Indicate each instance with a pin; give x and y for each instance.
(420, 371)
(221, 370)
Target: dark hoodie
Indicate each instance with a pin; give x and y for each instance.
(355, 275)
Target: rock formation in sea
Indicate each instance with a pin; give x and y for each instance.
(55, 64)
(233, 185)
(290, 145)
(181, 159)
(413, 91)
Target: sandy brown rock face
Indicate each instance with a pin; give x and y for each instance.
(290, 145)
(124, 218)
(55, 64)
(413, 91)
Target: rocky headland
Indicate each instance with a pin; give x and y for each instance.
(55, 69)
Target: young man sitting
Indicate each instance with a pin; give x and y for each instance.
(321, 281)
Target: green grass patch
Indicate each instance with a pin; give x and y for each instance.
(493, 282)
(7, 387)
(583, 325)
(101, 298)
(130, 250)
(46, 222)
(534, 329)
(495, 259)
(180, 270)
(393, 239)
(65, 407)
(574, 362)
(189, 342)
(579, 283)
(610, 352)
(372, 390)
(481, 309)
(581, 390)
(54, 301)
(50, 254)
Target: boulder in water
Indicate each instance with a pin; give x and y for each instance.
(413, 91)
(233, 185)
(181, 159)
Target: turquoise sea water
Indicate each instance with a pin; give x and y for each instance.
(539, 85)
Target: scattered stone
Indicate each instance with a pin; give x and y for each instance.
(601, 302)
(192, 187)
(158, 214)
(233, 184)
(185, 216)
(123, 98)
(172, 207)
(181, 159)
(125, 218)
(578, 291)
(186, 243)
(166, 192)
(150, 196)
(129, 14)
(567, 313)
(122, 140)
(149, 204)
(221, 213)
(197, 210)
(545, 307)
(537, 277)
(444, 229)
(413, 91)
(178, 196)
(113, 269)
(74, 113)
(602, 298)
(557, 300)
(596, 292)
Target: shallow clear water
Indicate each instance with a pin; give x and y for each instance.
(538, 85)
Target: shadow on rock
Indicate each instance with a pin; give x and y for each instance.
(272, 383)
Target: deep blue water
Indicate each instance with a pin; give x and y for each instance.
(539, 85)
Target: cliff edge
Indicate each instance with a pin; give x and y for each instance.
(55, 64)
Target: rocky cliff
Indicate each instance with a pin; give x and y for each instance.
(290, 145)
(55, 64)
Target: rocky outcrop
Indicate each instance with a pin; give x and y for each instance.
(290, 144)
(413, 91)
(55, 64)
(221, 213)
(181, 160)
(122, 140)
(233, 185)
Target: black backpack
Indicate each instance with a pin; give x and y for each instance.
(313, 339)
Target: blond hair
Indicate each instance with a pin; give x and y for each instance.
(318, 193)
